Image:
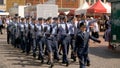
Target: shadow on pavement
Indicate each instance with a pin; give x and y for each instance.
(104, 52)
(14, 56)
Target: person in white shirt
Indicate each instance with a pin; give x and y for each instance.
(95, 30)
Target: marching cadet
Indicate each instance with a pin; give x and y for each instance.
(28, 35)
(33, 32)
(54, 34)
(9, 26)
(68, 27)
(15, 33)
(39, 39)
(44, 25)
(26, 31)
(72, 33)
(48, 31)
(12, 31)
(22, 34)
(63, 32)
(82, 46)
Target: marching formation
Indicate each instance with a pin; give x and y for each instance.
(53, 37)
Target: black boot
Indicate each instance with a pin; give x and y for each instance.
(34, 55)
(51, 65)
(67, 64)
(88, 64)
(39, 58)
(22, 51)
(42, 61)
(48, 62)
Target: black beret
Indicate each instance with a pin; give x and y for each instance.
(72, 17)
(49, 18)
(15, 17)
(33, 18)
(78, 16)
(22, 19)
(63, 17)
(82, 15)
(27, 18)
(82, 24)
(40, 18)
(55, 18)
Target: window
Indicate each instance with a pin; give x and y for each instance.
(1, 2)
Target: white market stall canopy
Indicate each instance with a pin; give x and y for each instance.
(82, 9)
(108, 7)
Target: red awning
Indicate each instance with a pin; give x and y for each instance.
(98, 7)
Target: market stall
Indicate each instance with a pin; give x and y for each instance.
(82, 9)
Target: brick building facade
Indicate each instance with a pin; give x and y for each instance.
(34, 2)
(60, 3)
(11, 3)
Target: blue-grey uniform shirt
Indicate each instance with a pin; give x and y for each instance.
(47, 29)
(26, 29)
(39, 29)
(44, 28)
(16, 30)
(71, 28)
(0, 22)
(54, 28)
(32, 31)
(63, 29)
(22, 26)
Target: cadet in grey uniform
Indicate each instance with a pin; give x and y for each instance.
(33, 32)
(44, 25)
(48, 31)
(9, 27)
(26, 30)
(39, 39)
(22, 34)
(63, 32)
(82, 46)
(54, 34)
(15, 33)
(28, 35)
(72, 34)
